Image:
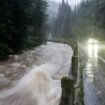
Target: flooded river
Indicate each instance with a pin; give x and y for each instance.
(33, 78)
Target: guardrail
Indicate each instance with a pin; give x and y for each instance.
(70, 84)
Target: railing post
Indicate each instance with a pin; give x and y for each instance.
(75, 64)
(67, 85)
(75, 74)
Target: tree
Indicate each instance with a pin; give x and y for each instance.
(62, 26)
(22, 24)
(39, 17)
(83, 22)
(89, 20)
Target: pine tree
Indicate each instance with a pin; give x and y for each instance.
(22, 24)
(62, 27)
(39, 20)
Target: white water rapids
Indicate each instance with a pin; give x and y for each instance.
(41, 85)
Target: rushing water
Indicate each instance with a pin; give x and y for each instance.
(40, 84)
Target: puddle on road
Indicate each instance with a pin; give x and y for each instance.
(90, 72)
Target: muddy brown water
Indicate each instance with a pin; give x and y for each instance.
(33, 78)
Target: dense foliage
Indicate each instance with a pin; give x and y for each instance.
(89, 20)
(86, 20)
(22, 25)
(62, 24)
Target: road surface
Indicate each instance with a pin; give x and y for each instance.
(94, 74)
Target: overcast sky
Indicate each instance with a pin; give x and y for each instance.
(71, 2)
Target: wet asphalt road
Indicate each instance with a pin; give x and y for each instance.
(94, 75)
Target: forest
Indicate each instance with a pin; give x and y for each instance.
(24, 23)
(86, 20)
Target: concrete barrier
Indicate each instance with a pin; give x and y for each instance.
(69, 84)
(67, 91)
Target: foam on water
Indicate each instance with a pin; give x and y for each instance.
(41, 85)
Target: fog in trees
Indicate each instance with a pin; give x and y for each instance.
(85, 20)
(61, 25)
(25, 24)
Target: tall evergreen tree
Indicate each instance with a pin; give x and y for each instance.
(21, 25)
(62, 26)
(39, 18)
